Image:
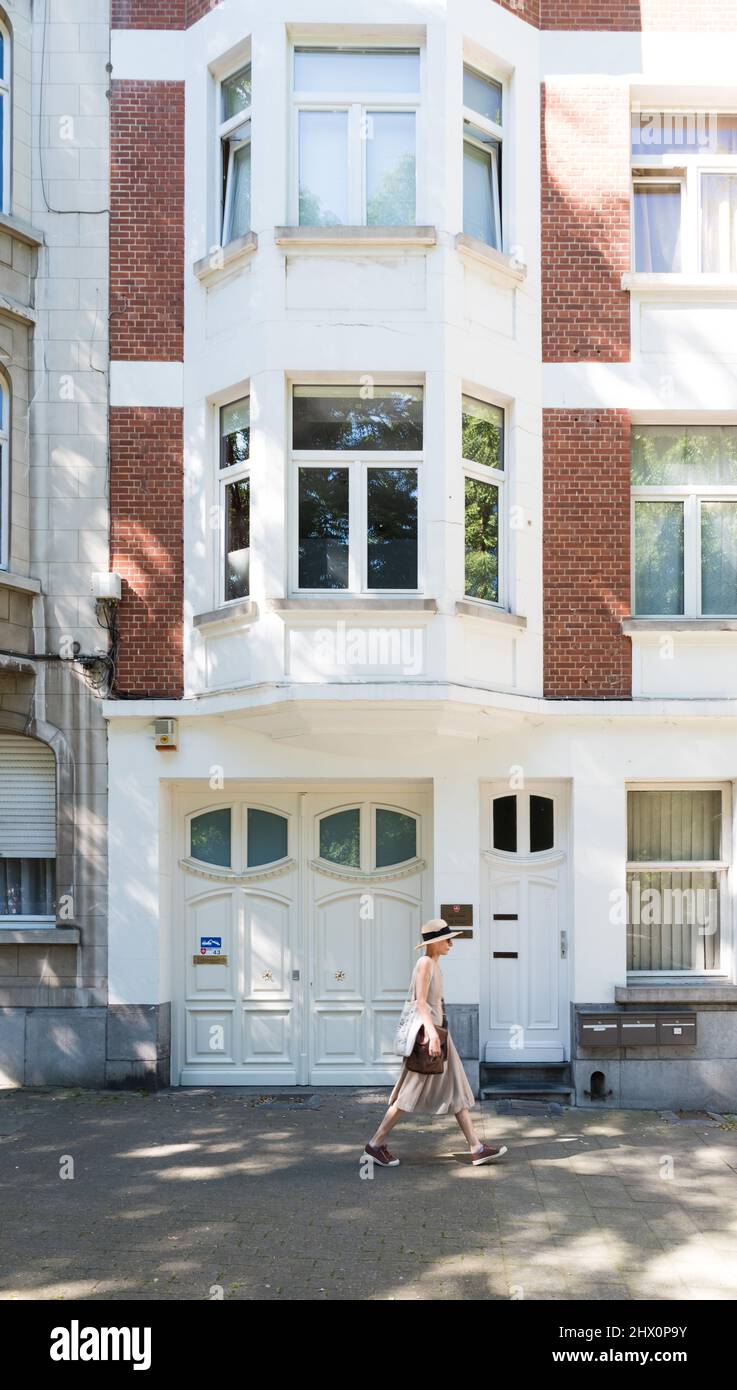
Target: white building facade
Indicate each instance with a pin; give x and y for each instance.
(376, 723)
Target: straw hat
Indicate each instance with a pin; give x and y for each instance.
(435, 930)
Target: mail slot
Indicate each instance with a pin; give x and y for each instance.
(677, 1030)
(639, 1029)
(599, 1030)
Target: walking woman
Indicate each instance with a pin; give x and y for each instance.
(446, 1091)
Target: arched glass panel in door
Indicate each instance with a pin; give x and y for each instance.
(396, 837)
(542, 823)
(268, 837)
(340, 838)
(210, 837)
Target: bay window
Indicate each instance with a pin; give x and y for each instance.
(684, 204)
(482, 158)
(684, 497)
(356, 137)
(483, 466)
(235, 145)
(356, 455)
(676, 877)
(235, 498)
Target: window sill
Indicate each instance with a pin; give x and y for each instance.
(20, 582)
(20, 230)
(367, 238)
(222, 259)
(634, 627)
(350, 604)
(503, 268)
(234, 615)
(700, 992)
(39, 936)
(675, 283)
(466, 608)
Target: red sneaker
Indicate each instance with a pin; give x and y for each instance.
(488, 1155)
(380, 1155)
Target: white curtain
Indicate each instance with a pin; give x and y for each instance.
(719, 223)
(657, 227)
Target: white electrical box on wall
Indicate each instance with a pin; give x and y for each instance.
(165, 733)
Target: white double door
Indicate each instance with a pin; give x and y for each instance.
(524, 1001)
(298, 912)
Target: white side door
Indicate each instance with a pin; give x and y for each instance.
(525, 968)
(366, 884)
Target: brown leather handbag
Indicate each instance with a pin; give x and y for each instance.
(419, 1058)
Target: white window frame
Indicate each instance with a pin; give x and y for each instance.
(691, 496)
(475, 118)
(358, 113)
(686, 168)
(499, 478)
(6, 99)
(357, 462)
(367, 839)
(226, 129)
(235, 474)
(4, 476)
(721, 867)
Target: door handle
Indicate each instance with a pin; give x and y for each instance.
(563, 945)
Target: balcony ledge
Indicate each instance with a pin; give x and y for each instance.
(466, 608)
(21, 230)
(358, 605)
(636, 627)
(39, 936)
(365, 238)
(700, 992)
(505, 269)
(222, 259)
(232, 615)
(673, 284)
(21, 582)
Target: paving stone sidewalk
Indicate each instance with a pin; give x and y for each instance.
(197, 1194)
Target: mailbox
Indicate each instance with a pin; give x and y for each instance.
(639, 1029)
(598, 1030)
(677, 1030)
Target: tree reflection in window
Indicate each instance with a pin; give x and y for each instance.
(210, 837)
(340, 838)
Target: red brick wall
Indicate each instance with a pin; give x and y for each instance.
(528, 10)
(664, 15)
(195, 9)
(586, 564)
(585, 223)
(148, 14)
(146, 451)
(147, 221)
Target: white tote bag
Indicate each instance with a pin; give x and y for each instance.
(410, 1023)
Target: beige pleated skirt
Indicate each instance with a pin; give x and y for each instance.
(444, 1094)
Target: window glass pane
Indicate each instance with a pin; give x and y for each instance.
(666, 132)
(323, 528)
(267, 837)
(657, 226)
(237, 538)
(238, 165)
(684, 454)
(541, 823)
(323, 168)
(237, 93)
(391, 528)
(673, 921)
(396, 837)
(340, 838)
(2, 56)
(235, 432)
(719, 557)
(483, 95)
(505, 823)
(390, 168)
(337, 417)
(658, 558)
(210, 837)
(27, 887)
(483, 433)
(479, 212)
(719, 223)
(674, 825)
(356, 70)
(482, 540)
